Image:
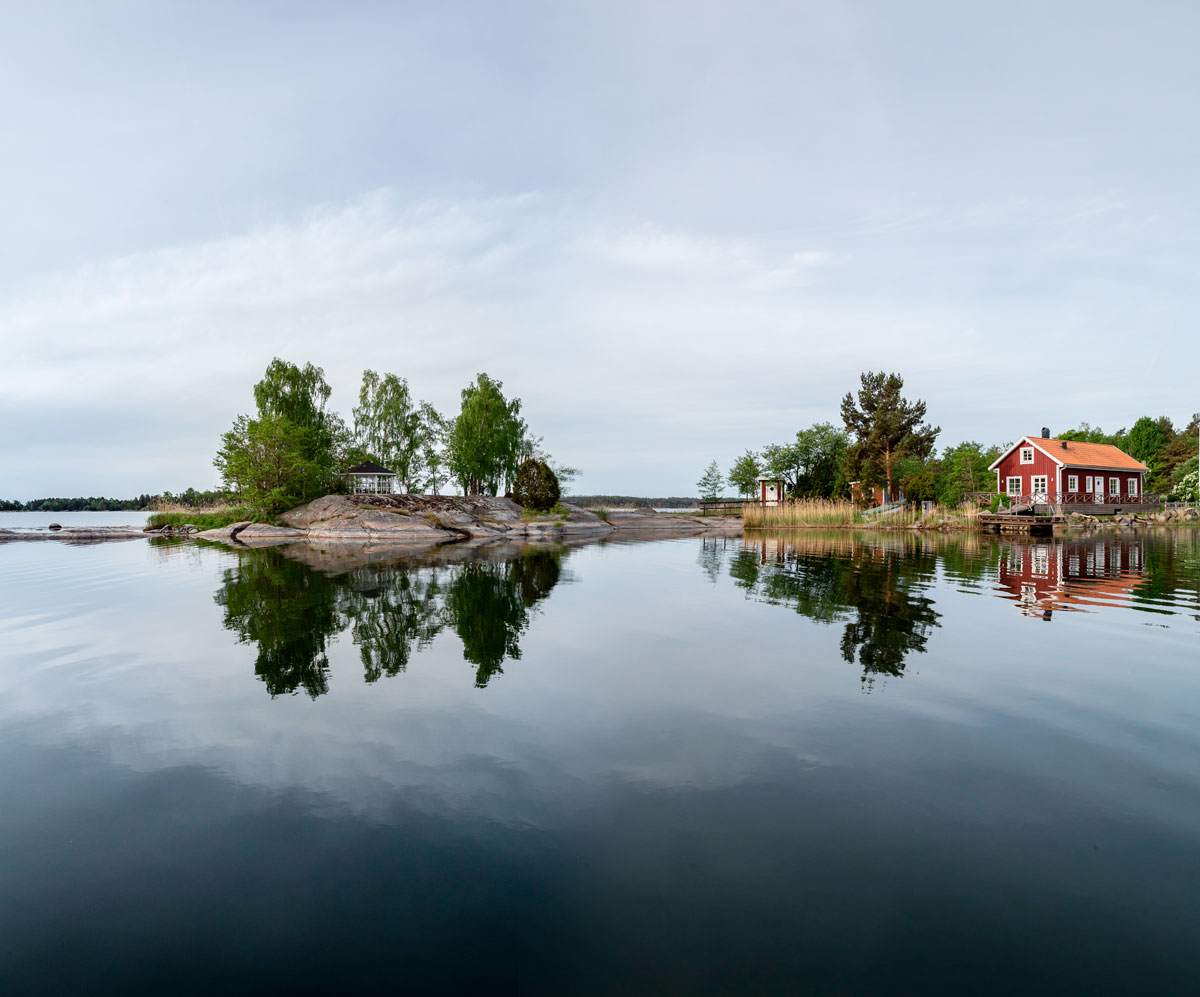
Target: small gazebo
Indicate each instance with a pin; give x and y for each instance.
(369, 478)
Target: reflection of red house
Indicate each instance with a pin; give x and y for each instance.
(1088, 477)
(1074, 574)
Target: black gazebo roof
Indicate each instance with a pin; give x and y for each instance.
(368, 467)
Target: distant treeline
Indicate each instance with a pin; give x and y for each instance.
(190, 498)
(632, 501)
(92, 504)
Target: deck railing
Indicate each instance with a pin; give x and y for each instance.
(1069, 498)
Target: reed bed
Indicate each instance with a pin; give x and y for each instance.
(831, 514)
(801, 513)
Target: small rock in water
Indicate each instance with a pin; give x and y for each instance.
(56, 526)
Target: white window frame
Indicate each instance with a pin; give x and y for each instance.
(1026, 455)
(1044, 491)
(1008, 486)
(1133, 487)
(1072, 483)
(1114, 487)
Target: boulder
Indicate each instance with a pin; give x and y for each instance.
(226, 532)
(55, 526)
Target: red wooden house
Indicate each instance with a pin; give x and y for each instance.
(1095, 478)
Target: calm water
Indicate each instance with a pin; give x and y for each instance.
(40, 520)
(794, 764)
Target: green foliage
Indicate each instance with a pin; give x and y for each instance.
(432, 455)
(1087, 434)
(812, 464)
(91, 504)
(297, 394)
(289, 453)
(886, 428)
(964, 469)
(744, 474)
(710, 482)
(921, 486)
(535, 485)
(209, 520)
(1184, 482)
(1145, 440)
(388, 425)
(1181, 448)
(485, 440)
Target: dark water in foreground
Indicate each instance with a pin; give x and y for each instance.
(794, 764)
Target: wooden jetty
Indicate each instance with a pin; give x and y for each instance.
(999, 522)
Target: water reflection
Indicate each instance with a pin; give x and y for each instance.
(293, 610)
(879, 585)
(878, 588)
(1042, 576)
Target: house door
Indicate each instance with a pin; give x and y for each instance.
(1039, 489)
(1099, 489)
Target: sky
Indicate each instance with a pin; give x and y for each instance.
(674, 230)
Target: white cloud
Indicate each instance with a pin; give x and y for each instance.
(640, 351)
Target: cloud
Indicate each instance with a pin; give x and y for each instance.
(641, 351)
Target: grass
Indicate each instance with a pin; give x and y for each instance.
(557, 511)
(810, 513)
(205, 519)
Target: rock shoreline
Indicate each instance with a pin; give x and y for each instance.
(431, 520)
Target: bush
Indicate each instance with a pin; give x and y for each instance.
(536, 486)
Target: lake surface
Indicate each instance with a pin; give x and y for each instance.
(40, 520)
(794, 764)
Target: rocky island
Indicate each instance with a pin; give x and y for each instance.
(430, 520)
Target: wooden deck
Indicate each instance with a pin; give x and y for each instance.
(1000, 522)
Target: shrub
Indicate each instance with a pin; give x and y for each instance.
(536, 486)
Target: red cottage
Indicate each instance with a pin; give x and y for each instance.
(1095, 478)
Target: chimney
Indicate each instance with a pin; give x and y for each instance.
(1045, 433)
(1064, 444)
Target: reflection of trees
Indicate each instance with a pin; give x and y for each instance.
(893, 613)
(488, 606)
(877, 589)
(1172, 568)
(397, 612)
(712, 553)
(293, 611)
(290, 612)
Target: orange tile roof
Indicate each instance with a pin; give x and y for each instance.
(1102, 455)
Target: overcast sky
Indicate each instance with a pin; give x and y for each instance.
(674, 230)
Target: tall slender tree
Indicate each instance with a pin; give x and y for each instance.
(886, 428)
(484, 443)
(388, 425)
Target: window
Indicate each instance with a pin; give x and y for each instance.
(1038, 485)
(1014, 487)
(1114, 487)
(1072, 482)
(1133, 487)
(1026, 455)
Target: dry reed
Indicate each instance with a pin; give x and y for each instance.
(810, 513)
